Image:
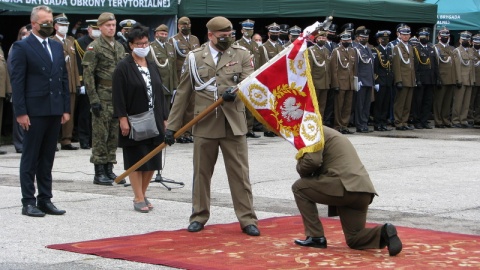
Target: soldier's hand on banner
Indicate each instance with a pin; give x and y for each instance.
(459, 85)
(228, 95)
(399, 85)
(169, 137)
(96, 109)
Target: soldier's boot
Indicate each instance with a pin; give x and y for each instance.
(110, 174)
(100, 177)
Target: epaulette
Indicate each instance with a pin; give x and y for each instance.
(197, 49)
(239, 47)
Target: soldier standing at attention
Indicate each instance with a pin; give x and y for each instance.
(404, 71)
(125, 25)
(342, 69)
(283, 34)
(164, 56)
(293, 34)
(474, 111)
(319, 60)
(247, 42)
(184, 42)
(99, 62)
(208, 73)
(465, 72)
(268, 50)
(384, 78)
(60, 23)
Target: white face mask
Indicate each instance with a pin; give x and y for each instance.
(96, 33)
(141, 52)
(62, 30)
(259, 43)
(24, 37)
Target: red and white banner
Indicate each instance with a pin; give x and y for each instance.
(282, 97)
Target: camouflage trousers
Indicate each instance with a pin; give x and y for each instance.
(104, 136)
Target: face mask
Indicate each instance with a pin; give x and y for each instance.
(283, 37)
(444, 39)
(162, 39)
(46, 29)
(186, 31)
(96, 33)
(223, 43)
(476, 46)
(273, 37)
(465, 44)
(62, 30)
(363, 42)
(24, 37)
(259, 43)
(320, 43)
(423, 41)
(141, 52)
(346, 44)
(384, 41)
(330, 36)
(248, 33)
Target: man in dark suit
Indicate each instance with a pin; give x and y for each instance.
(41, 102)
(336, 177)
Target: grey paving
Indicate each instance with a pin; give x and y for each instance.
(425, 178)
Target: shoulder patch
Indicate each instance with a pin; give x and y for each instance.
(90, 48)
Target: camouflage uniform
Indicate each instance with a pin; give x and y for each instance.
(98, 64)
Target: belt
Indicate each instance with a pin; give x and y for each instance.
(104, 82)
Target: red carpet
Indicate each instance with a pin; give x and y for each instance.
(225, 247)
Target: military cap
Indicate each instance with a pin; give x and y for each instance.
(405, 30)
(184, 21)
(444, 32)
(61, 19)
(360, 28)
(332, 28)
(476, 39)
(105, 17)
(400, 25)
(219, 23)
(424, 31)
(248, 24)
(465, 35)
(162, 27)
(284, 28)
(92, 23)
(128, 23)
(321, 34)
(295, 30)
(348, 27)
(274, 28)
(346, 35)
(382, 33)
(413, 40)
(363, 32)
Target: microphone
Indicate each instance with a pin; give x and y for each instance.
(120, 35)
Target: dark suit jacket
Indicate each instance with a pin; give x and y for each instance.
(39, 86)
(365, 70)
(384, 73)
(129, 92)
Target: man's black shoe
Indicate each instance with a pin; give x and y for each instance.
(85, 146)
(3, 152)
(427, 126)
(19, 151)
(385, 128)
(418, 126)
(457, 126)
(195, 226)
(269, 134)
(251, 230)
(440, 126)
(346, 131)
(467, 126)
(252, 134)
(32, 211)
(363, 130)
(50, 209)
(403, 128)
(316, 242)
(390, 238)
(68, 147)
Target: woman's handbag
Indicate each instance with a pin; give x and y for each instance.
(143, 126)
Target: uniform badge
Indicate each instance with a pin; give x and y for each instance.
(90, 48)
(231, 63)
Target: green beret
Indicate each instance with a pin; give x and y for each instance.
(162, 27)
(105, 17)
(219, 24)
(184, 20)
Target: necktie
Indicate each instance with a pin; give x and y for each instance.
(46, 49)
(219, 55)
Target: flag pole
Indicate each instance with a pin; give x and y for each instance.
(159, 148)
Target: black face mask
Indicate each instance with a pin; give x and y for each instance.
(384, 41)
(346, 44)
(444, 39)
(186, 31)
(321, 43)
(465, 44)
(363, 42)
(46, 29)
(331, 36)
(162, 39)
(283, 36)
(223, 43)
(423, 41)
(476, 46)
(274, 37)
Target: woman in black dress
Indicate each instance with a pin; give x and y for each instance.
(137, 88)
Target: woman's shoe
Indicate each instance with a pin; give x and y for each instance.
(150, 206)
(140, 207)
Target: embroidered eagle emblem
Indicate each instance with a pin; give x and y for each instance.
(291, 109)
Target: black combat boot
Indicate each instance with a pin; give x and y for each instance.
(100, 177)
(110, 174)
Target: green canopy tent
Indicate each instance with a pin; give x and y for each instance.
(458, 15)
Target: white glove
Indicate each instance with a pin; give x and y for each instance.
(377, 87)
(82, 90)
